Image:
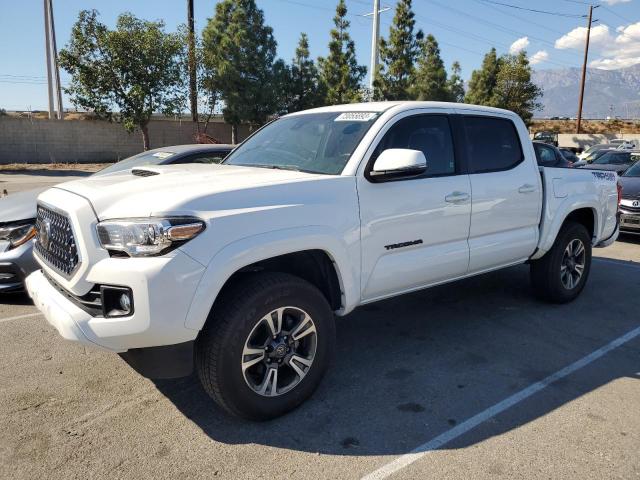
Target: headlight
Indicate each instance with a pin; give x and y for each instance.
(18, 235)
(143, 237)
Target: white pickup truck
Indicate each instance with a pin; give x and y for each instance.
(238, 269)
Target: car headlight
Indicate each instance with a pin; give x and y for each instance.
(144, 237)
(18, 234)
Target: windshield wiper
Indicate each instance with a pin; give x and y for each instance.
(293, 168)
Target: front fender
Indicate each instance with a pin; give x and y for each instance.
(249, 250)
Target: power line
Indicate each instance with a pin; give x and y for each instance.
(546, 12)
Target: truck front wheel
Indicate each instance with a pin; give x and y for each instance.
(561, 274)
(266, 345)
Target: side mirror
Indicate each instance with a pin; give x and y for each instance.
(397, 163)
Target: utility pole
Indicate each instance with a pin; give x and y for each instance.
(584, 69)
(375, 42)
(47, 39)
(193, 92)
(54, 52)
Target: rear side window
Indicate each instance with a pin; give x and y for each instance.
(430, 134)
(492, 144)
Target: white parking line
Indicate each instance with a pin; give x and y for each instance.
(28, 315)
(444, 438)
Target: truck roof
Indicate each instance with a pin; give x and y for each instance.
(400, 106)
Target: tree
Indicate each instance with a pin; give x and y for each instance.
(340, 73)
(136, 68)
(239, 55)
(514, 89)
(431, 76)
(483, 81)
(455, 84)
(304, 88)
(395, 74)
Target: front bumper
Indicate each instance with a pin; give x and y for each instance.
(15, 265)
(162, 287)
(629, 221)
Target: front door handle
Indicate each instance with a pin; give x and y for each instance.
(457, 197)
(527, 188)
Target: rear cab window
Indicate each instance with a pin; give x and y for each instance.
(492, 143)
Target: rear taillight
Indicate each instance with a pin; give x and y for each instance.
(619, 192)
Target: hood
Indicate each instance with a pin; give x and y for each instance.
(630, 187)
(19, 206)
(156, 190)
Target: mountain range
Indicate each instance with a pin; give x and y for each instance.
(613, 93)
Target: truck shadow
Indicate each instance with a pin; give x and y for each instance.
(410, 368)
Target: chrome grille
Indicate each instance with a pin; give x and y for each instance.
(55, 242)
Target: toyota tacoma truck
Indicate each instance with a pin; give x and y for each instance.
(238, 270)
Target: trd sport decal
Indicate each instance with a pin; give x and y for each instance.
(604, 176)
(403, 244)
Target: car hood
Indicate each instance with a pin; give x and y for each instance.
(176, 189)
(630, 186)
(19, 206)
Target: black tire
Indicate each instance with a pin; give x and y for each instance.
(219, 347)
(546, 273)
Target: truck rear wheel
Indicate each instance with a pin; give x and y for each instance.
(561, 274)
(266, 345)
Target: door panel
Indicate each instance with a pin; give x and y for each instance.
(414, 231)
(506, 197)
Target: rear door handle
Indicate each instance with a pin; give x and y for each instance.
(457, 197)
(527, 188)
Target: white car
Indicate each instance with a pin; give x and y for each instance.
(239, 268)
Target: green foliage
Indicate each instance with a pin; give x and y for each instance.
(431, 76)
(398, 55)
(136, 68)
(455, 84)
(340, 73)
(304, 88)
(483, 81)
(239, 57)
(514, 89)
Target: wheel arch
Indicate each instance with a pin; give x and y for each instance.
(313, 254)
(585, 213)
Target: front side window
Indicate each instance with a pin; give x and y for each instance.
(634, 171)
(492, 144)
(431, 134)
(312, 142)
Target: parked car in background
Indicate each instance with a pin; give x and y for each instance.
(546, 137)
(614, 160)
(595, 148)
(596, 154)
(630, 204)
(239, 269)
(569, 154)
(623, 143)
(549, 156)
(18, 210)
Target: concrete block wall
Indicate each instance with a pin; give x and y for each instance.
(92, 141)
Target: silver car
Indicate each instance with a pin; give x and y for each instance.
(18, 210)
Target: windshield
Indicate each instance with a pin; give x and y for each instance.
(139, 160)
(634, 171)
(612, 158)
(312, 142)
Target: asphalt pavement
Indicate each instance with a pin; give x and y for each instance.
(475, 379)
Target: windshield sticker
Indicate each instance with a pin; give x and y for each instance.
(605, 176)
(355, 117)
(162, 154)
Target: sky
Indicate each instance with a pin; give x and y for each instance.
(465, 30)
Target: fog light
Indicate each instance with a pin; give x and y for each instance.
(116, 301)
(125, 302)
